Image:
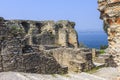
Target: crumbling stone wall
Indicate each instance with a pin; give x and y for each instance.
(67, 36)
(29, 46)
(60, 33)
(110, 13)
(77, 60)
(31, 62)
(16, 55)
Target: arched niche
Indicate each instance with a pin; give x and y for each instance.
(39, 26)
(26, 26)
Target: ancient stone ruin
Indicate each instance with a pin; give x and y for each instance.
(110, 13)
(45, 47)
(59, 33)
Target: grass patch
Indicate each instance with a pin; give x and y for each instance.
(102, 51)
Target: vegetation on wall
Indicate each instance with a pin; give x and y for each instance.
(15, 30)
(103, 46)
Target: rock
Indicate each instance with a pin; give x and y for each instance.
(110, 13)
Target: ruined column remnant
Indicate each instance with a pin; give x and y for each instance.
(110, 14)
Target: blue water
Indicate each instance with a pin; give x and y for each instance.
(93, 39)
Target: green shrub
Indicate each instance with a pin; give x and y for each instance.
(16, 29)
(13, 28)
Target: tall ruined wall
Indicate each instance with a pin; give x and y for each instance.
(110, 13)
(60, 33)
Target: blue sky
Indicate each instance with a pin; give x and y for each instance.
(83, 12)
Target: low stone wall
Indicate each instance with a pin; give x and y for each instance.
(58, 60)
(32, 63)
(76, 59)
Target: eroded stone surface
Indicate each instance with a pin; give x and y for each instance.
(47, 32)
(110, 13)
(77, 60)
(41, 47)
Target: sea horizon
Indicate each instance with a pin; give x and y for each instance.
(92, 39)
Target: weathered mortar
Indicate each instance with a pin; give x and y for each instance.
(110, 13)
